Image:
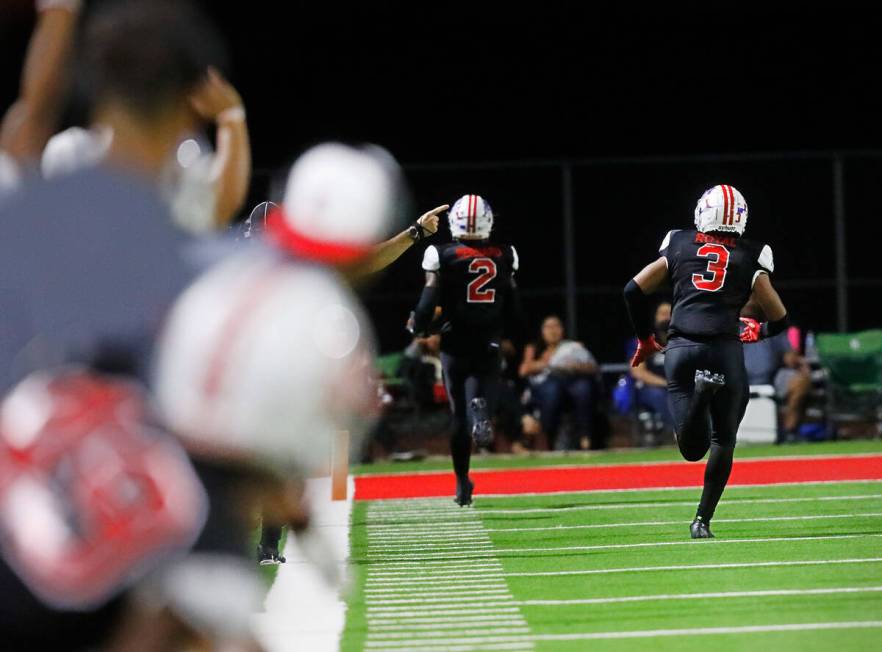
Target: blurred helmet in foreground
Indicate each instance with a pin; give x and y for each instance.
(339, 201)
(91, 496)
(264, 359)
(722, 209)
(471, 218)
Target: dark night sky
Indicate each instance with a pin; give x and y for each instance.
(473, 81)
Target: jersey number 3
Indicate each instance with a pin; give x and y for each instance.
(477, 290)
(717, 262)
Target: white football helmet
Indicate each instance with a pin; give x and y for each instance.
(338, 203)
(721, 208)
(471, 218)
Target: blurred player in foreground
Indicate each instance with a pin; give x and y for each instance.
(268, 355)
(714, 271)
(376, 258)
(472, 279)
(98, 507)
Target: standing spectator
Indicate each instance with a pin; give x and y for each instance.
(651, 385)
(773, 361)
(560, 372)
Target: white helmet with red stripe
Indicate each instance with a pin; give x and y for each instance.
(721, 208)
(471, 218)
(339, 202)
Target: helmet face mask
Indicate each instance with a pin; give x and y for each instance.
(471, 218)
(721, 209)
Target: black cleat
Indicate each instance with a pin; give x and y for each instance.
(267, 556)
(482, 431)
(706, 381)
(464, 493)
(700, 529)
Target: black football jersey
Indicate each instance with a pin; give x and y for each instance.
(712, 278)
(476, 286)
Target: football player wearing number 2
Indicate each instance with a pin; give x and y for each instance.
(472, 279)
(713, 271)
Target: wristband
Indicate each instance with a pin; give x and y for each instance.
(233, 114)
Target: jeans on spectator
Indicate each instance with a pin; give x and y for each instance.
(655, 399)
(551, 397)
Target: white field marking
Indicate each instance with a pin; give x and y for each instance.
(433, 634)
(579, 492)
(493, 583)
(445, 611)
(449, 579)
(622, 546)
(434, 566)
(458, 545)
(461, 598)
(410, 589)
(649, 505)
(485, 643)
(438, 573)
(475, 647)
(754, 519)
(448, 623)
(643, 569)
(428, 535)
(679, 596)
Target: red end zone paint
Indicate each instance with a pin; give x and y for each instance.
(627, 476)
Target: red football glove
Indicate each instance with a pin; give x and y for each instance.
(645, 348)
(750, 330)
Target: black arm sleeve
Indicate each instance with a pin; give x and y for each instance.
(772, 328)
(638, 310)
(425, 310)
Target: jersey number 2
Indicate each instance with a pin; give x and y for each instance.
(477, 290)
(717, 263)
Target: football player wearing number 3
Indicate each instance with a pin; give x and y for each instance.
(472, 280)
(713, 271)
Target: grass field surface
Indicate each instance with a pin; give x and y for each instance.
(793, 567)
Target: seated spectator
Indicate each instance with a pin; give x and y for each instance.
(561, 372)
(773, 361)
(421, 369)
(650, 383)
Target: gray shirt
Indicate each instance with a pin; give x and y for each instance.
(89, 263)
(762, 359)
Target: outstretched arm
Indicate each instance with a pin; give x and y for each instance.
(386, 253)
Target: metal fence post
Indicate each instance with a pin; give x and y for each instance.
(839, 225)
(569, 244)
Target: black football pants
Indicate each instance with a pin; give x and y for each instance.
(467, 377)
(707, 422)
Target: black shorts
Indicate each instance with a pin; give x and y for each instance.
(683, 357)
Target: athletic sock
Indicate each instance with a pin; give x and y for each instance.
(461, 452)
(716, 475)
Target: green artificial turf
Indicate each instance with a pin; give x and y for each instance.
(529, 548)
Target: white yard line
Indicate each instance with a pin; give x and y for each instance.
(458, 623)
(401, 560)
(408, 581)
(723, 595)
(623, 506)
(487, 643)
(753, 519)
(410, 636)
